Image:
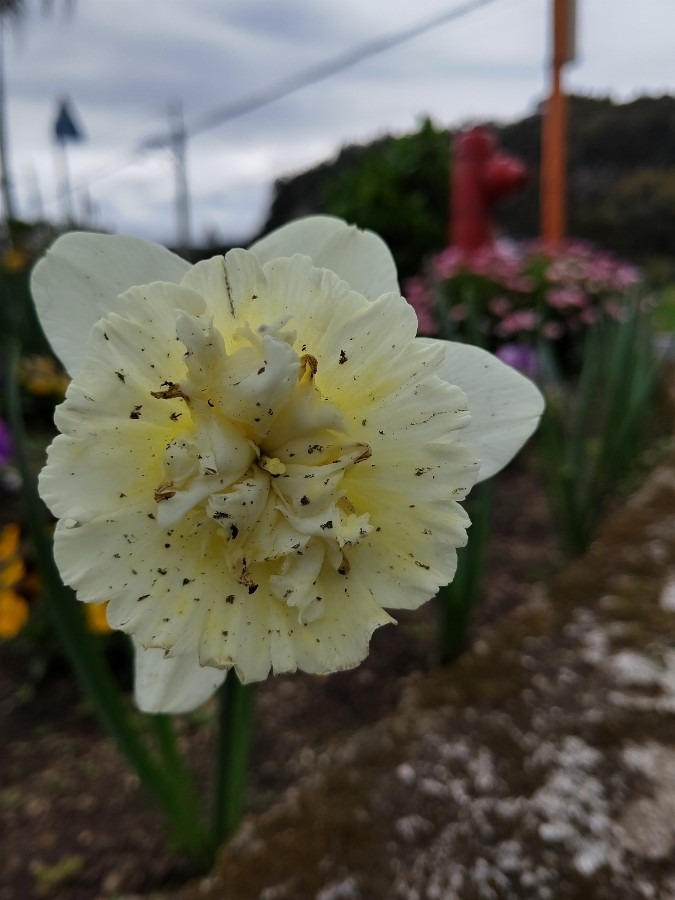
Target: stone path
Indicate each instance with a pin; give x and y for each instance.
(541, 765)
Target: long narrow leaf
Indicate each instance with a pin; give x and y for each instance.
(84, 652)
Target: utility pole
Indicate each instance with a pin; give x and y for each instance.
(37, 207)
(6, 193)
(66, 131)
(554, 124)
(178, 144)
(63, 180)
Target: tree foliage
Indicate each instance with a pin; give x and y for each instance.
(400, 192)
(620, 191)
(621, 178)
(396, 186)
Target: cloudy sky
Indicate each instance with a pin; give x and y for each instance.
(124, 62)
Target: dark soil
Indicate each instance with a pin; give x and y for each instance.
(539, 766)
(74, 821)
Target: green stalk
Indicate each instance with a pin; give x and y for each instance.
(556, 450)
(234, 737)
(85, 655)
(588, 442)
(458, 598)
(583, 414)
(181, 781)
(559, 479)
(447, 329)
(470, 299)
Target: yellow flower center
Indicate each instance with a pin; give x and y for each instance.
(264, 455)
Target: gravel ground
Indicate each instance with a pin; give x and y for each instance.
(541, 765)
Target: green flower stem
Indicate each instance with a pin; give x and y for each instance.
(474, 314)
(178, 773)
(87, 659)
(561, 478)
(457, 599)
(590, 437)
(234, 736)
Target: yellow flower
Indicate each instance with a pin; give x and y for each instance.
(257, 455)
(41, 376)
(12, 568)
(13, 607)
(13, 613)
(97, 619)
(14, 260)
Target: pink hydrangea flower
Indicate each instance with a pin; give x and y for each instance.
(421, 299)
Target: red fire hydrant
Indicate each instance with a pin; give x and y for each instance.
(481, 175)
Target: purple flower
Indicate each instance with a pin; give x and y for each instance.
(6, 449)
(520, 357)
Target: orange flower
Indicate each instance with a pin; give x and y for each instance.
(14, 260)
(97, 619)
(13, 607)
(40, 375)
(13, 613)
(12, 568)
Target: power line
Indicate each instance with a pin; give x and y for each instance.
(132, 158)
(313, 74)
(290, 85)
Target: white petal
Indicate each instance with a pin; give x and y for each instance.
(172, 684)
(144, 416)
(418, 469)
(80, 279)
(361, 258)
(339, 640)
(505, 406)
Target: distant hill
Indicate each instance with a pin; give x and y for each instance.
(621, 177)
(621, 183)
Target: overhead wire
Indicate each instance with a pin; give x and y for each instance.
(321, 71)
(285, 87)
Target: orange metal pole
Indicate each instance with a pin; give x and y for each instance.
(554, 132)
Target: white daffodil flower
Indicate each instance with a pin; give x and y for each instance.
(257, 456)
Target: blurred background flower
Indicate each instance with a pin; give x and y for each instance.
(13, 607)
(519, 293)
(6, 448)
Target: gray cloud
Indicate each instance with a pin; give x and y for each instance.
(122, 63)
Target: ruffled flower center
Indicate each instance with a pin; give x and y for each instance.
(264, 455)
